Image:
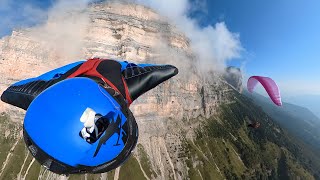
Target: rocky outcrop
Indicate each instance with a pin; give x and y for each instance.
(233, 76)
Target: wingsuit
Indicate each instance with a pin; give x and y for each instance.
(78, 118)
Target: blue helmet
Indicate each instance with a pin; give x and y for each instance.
(80, 126)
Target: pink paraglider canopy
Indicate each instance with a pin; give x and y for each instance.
(269, 85)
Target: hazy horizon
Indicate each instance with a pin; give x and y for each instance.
(309, 101)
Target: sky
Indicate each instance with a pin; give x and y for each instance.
(22, 13)
(275, 38)
(280, 37)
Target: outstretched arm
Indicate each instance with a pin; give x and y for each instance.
(140, 78)
(131, 80)
(22, 93)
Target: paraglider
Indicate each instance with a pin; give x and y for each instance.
(269, 85)
(78, 118)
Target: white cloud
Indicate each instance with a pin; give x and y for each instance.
(212, 45)
(173, 9)
(64, 31)
(67, 21)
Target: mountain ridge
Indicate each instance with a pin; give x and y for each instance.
(292, 116)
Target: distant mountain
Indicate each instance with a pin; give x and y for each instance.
(300, 121)
(269, 152)
(309, 101)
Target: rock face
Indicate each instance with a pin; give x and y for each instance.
(233, 76)
(165, 115)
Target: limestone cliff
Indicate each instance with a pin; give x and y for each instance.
(165, 115)
(233, 76)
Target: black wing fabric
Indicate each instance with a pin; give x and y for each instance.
(22, 95)
(141, 79)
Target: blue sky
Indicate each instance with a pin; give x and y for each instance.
(280, 38)
(22, 13)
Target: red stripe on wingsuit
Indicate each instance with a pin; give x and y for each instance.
(128, 97)
(90, 68)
